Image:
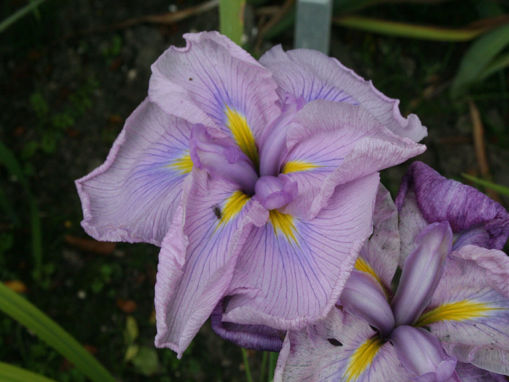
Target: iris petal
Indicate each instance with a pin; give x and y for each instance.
(133, 196)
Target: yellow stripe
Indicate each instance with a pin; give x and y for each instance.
(455, 311)
(242, 134)
(297, 165)
(183, 164)
(362, 358)
(283, 223)
(233, 206)
(363, 266)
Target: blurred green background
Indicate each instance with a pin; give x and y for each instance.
(72, 71)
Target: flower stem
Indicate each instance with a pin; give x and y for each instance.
(249, 378)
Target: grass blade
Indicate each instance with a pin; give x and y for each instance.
(247, 369)
(485, 183)
(478, 57)
(11, 373)
(8, 159)
(50, 332)
(272, 365)
(31, 6)
(407, 30)
(231, 19)
(497, 64)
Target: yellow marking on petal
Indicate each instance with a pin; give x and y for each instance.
(183, 164)
(297, 165)
(283, 223)
(362, 358)
(363, 266)
(455, 311)
(242, 134)
(233, 206)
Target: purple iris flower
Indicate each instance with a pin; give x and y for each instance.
(447, 320)
(256, 179)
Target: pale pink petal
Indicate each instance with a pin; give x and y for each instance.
(287, 282)
(132, 197)
(197, 260)
(312, 75)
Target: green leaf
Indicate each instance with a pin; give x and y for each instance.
(497, 64)
(407, 30)
(31, 6)
(50, 332)
(146, 361)
(478, 57)
(11, 373)
(485, 183)
(231, 19)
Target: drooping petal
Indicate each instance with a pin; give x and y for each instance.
(133, 196)
(257, 337)
(341, 348)
(469, 310)
(312, 75)
(198, 256)
(364, 297)
(470, 373)
(422, 272)
(380, 254)
(465, 208)
(332, 143)
(292, 271)
(214, 82)
(421, 353)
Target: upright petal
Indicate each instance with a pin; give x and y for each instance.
(380, 254)
(257, 337)
(312, 75)
(341, 348)
(292, 271)
(421, 273)
(198, 256)
(469, 311)
(134, 194)
(363, 297)
(214, 82)
(332, 143)
(421, 353)
(465, 208)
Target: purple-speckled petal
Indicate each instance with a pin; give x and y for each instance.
(325, 352)
(312, 75)
(133, 196)
(470, 373)
(257, 337)
(275, 192)
(197, 259)
(292, 271)
(331, 143)
(380, 254)
(222, 158)
(465, 208)
(200, 81)
(421, 273)
(422, 354)
(365, 298)
(469, 310)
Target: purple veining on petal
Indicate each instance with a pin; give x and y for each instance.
(464, 207)
(221, 158)
(422, 353)
(275, 192)
(257, 337)
(363, 297)
(421, 272)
